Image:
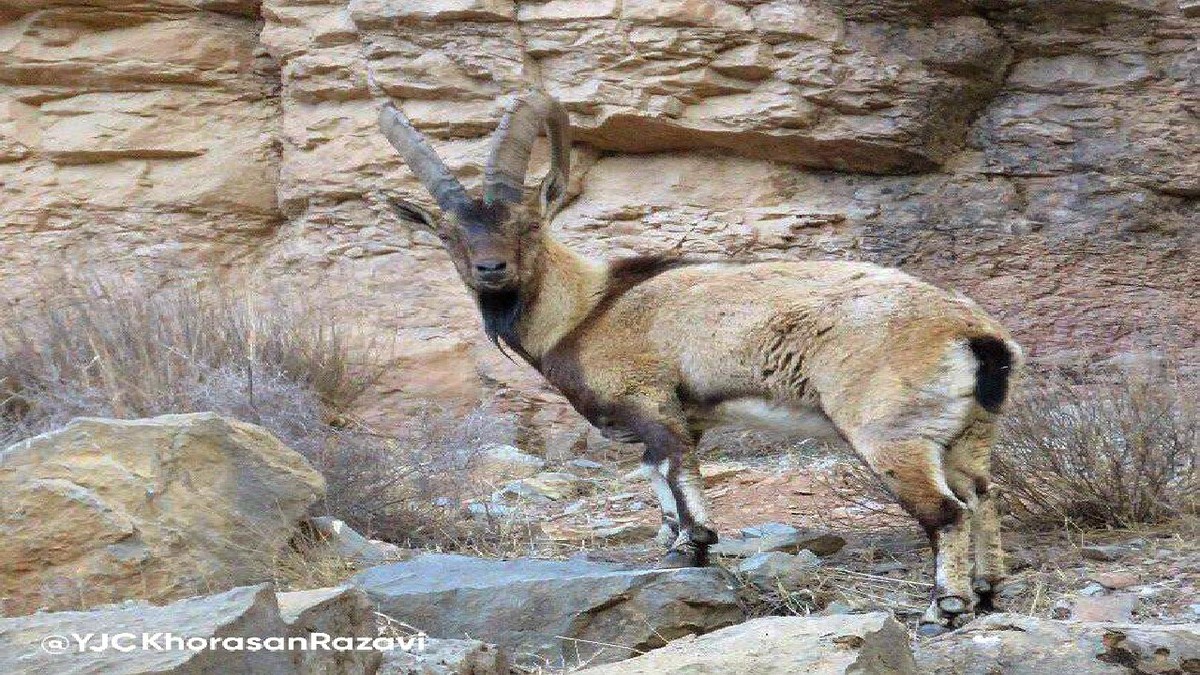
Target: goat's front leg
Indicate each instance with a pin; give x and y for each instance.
(674, 472)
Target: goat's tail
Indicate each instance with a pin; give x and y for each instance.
(996, 361)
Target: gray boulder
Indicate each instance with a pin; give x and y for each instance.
(1013, 644)
(860, 644)
(552, 612)
(239, 613)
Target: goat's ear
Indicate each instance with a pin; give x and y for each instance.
(411, 213)
(552, 195)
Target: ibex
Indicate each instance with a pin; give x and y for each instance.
(657, 349)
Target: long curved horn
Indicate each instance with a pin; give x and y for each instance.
(421, 159)
(504, 177)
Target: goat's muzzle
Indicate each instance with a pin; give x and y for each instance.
(493, 275)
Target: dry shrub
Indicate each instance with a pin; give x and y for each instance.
(138, 355)
(1115, 450)
(285, 367)
(414, 498)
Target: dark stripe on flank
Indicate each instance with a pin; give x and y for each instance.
(561, 366)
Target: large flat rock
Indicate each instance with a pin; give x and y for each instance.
(1013, 644)
(238, 613)
(550, 611)
(862, 644)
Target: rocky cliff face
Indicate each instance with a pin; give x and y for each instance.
(1042, 156)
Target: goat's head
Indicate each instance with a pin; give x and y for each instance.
(487, 238)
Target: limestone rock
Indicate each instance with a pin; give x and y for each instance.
(777, 537)
(545, 486)
(345, 543)
(161, 508)
(1116, 607)
(1012, 644)
(447, 657)
(234, 615)
(714, 474)
(866, 644)
(504, 462)
(565, 612)
(1116, 580)
(624, 533)
(1105, 553)
(340, 612)
(773, 571)
(1039, 156)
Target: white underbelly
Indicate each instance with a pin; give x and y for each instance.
(794, 421)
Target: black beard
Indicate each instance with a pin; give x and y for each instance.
(501, 312)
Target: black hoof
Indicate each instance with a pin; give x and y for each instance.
(685, 557)
(986, 602)
(947, 613)
(985, 592)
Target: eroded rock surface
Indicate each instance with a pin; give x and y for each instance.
(1013, 644)
(1040, 156)
(859, 644)
(236, 614)
(337, 611)
(552, 612)
(157, 509)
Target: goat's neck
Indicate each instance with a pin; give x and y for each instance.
(562, 289)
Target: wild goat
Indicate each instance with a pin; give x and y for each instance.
(657, 349)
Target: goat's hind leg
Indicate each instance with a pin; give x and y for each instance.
(969, 461)
(914, 472)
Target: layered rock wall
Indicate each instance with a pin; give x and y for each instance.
(1040, 155)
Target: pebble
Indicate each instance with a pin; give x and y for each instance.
(1012, 589)
(1061, 609)
(1115, 580)
(585, 465)
(1117, 607)
(483, 510)
(888, 567)
(1104, 553)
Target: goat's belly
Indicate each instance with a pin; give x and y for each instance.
(792, 420)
